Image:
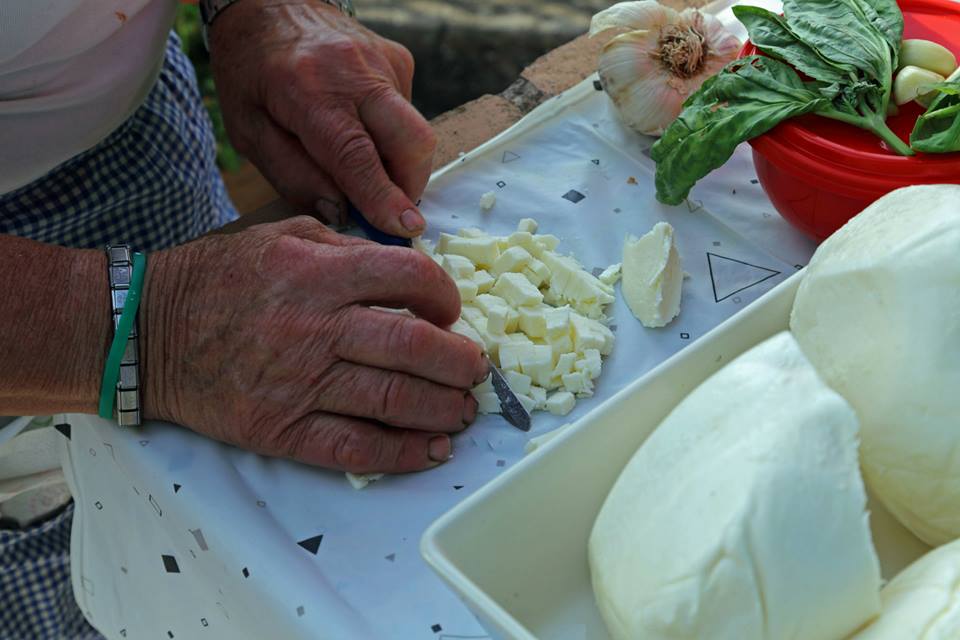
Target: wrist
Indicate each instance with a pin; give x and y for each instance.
(157, 352)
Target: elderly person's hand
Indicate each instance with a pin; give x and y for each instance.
(267, 339)
(322, 106)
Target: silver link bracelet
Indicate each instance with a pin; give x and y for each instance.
(120, 270)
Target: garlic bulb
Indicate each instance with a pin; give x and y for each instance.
(650, 70)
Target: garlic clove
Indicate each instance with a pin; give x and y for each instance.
(724, 46)
(645, 14)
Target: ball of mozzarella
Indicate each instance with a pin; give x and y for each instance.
(743, 515)
(878, 315)
(922, 601)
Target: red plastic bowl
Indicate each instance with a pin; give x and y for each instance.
(819, 173)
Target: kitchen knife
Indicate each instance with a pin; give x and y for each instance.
(510, 407)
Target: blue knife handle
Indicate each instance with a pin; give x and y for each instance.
(373, 233)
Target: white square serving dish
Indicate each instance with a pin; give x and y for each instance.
(516, 550)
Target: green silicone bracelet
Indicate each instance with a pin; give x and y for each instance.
(111, 372)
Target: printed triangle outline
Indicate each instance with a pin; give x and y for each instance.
(713, 281)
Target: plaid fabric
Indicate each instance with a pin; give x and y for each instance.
(36, 599)
(153, 183)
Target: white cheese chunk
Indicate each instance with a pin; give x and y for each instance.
(561, 403)
(525, 240)
(483, 251)
(556, 321)
(512, 259)
(488, 200)
(486, 302)
(537, 362)
(467, 290)
(547, 241)
(532, 321)
(610, 275)
(700, 536)
(590, 334)
(565, 364)
(483, 280)
(590, 363)
(527, 224)
(361, 480)
(577, 382)
(423, 245)
(519, 338)
(517, 290)
(652, 276)
(539, 396)
(464, 328)
(561, 345)
(922, 601)
(527, 402)
(571, 283)
(878, 314)
(487, 402)
(519, 383)
(471, 232)
(512, 354)
(497, 320)
(470, 313)
(458, 267)
(484, 387)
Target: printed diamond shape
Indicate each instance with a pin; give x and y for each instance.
(573, 196)
(170, 564)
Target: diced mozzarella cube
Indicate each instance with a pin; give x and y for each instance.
(539, 395)
(556, 321)
(512, 354)
(487, 402)
(360, 480)
(483, 251)
(547, 241)
(540, 269)
(565, 364)
(458, 267)
(561, 403)
(471, 232)
(532, 321)
(610, 275)
(551, 297)
(487, 200)
(575, 285)
(483, 280)
(517, 290)
(423, 245)
(561, 345)
(590, 334)
(467, 289)
(497, 320)
(462, 327)
(519, 383)
(486, 302)
(518, 338)
(470, 313)
(578, 382)
(537, 363)
(512, 259)
(527, 224)
(513, 320)
(590, 364)
(524, 239)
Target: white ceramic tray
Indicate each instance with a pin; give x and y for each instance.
(516, 551)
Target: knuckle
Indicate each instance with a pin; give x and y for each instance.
(353, 451)
(355, 151)
(393, 398)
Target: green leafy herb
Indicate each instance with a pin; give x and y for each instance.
(849, 50)
(748, 98)
(938, 130)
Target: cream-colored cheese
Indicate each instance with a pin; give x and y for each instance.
(923, 601)
(483, 280)
(527, 224)
(517, 290)
(511, 259)
(742, 516)
(458, 267)
(561, 403)
(532, 321)
(482, 251)
(878, 314)
(652, 276)
(361, 480)
(467, 290)
(488, 200)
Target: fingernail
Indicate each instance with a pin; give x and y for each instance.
(411, 220)
(469, 409)
(439, 449)
(483, 371)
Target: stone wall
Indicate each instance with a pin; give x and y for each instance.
(467, 48)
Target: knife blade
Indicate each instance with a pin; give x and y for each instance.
(510, 407)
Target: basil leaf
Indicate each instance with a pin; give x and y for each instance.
(747, 98)
(770, 33)
(887, 19)
(938, 130)
(838, 30)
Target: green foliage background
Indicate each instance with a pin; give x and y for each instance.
(188, 28)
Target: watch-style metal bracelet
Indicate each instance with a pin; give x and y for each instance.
(210, 9)
(120, 270)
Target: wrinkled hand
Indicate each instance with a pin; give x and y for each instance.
(266, 339)
(321, 105)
